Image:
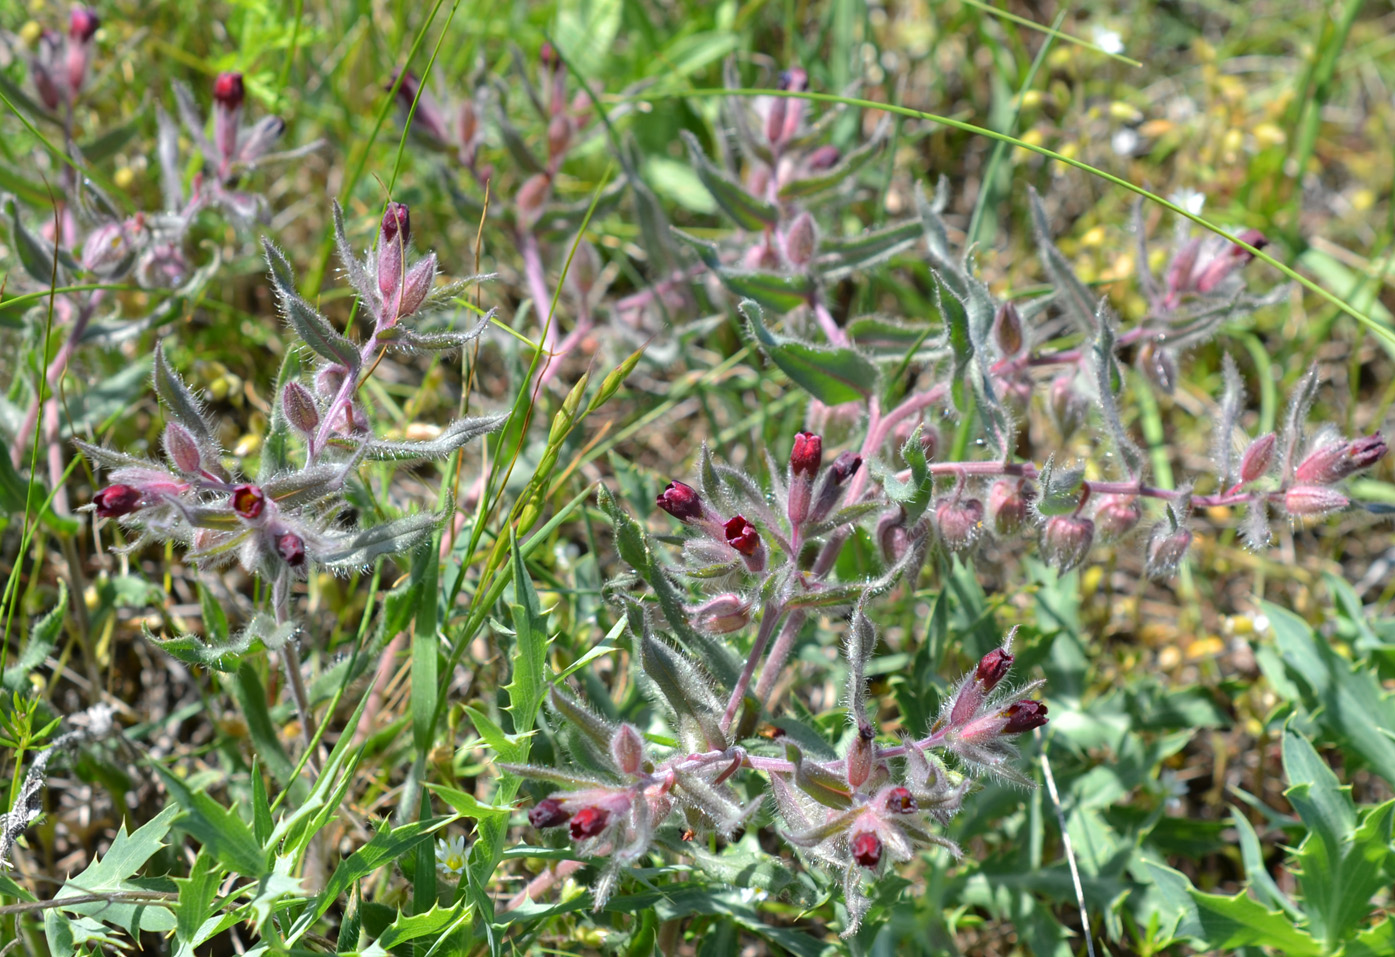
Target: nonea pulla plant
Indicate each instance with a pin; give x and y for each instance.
(288, 521)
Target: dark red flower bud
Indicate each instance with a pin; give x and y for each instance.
(589, 821)
(548, 57)
(807, 455)
(248, 501)
(993, 668)
(116, 500)
(866, 848)
(682, 502)
(548, 813)
(742, 535)
(291, 548)
(1257, 458)
(228, 90)
(844, 466)
(1024, 716)
(901, 801)
(830, 487)
(83, 23)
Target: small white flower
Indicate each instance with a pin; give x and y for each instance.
(1189, 199)
(1108, 40)
(450, 855)
(1124, 141)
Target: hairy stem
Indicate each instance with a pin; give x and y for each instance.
(770, 619)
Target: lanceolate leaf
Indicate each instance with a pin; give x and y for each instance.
(455, 435)
(831, 375)
(1072, 294)
(313, 328)
(773, 290)
(838, 174)
(1107, 384)
(750, 212)
(389, 538)
(838, 257)
(178, 400)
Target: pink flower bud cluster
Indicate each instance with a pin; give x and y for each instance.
(60, 64)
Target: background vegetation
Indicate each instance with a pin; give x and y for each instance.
(1223, 742)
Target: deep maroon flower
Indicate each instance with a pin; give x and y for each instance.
(901, 801)
(548, 813)
(681, 501)
(589, 821)
(807, 455)
(993, 668)
(291, 548)
(866, 848)
(248, 501)
(116, 500)
(1024, 716)
(83, 23)
(844, 467)
(228, 90)
(742, 535)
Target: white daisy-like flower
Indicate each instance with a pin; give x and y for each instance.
(450, 855)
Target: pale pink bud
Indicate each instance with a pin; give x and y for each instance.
(181, 448)
(1337, 460)
(801, 240)
(82, 25)
(1227, 262)
(106, 249)
(532, 197)
(860, 758)
(421, 279)
(1167, 546)
(1009, 504)
(721, 615)
(891, 535)
(393, 237)
(775, 121)
(1066, 539)
(298, 405)
(959, 521)
(1257, 458)
(627, 749)
(1179, 273)
(1067, 406)
(824, 158)
(1116, 516)
(1305, 500)
(559, 137)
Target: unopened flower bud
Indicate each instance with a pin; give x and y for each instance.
(1159, 366)
(1337, 460)
(589, 821)
(1007, 330)
(775, 121)
(993, 668)
(106, 249)
(901, 801)
(1067, 406)
(548, 813)
(960, 522)
(1179, 273)
(41, 70)
(866, 849)
(1116, 516)
(291, 548)
(248, 501)
(117, 500)
(627, 749)
(298, 405)
(559, 136)
(721, 615)
(393, 237)
(682, 502)
(1024, 716)
(801, 240)
(823, 158)
(1009, 504)
(861, 757)
(181, 448)
(830, 487)
(1167, 546)
(421, 279)
(82, 25)
(1306, 500)
(1066, 539)
(532, 197)
(329, 380)
(1257, 458)
(467, 123)
(891, 535)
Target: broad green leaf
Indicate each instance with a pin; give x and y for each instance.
(126, 856)
(750, 212)
(831, 375)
